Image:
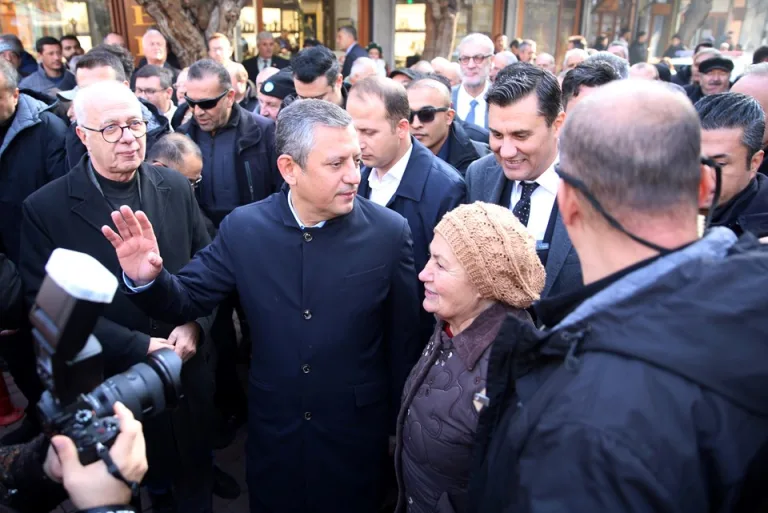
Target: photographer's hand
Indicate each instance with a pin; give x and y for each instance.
(158, 343)
(136, 246)
(184, 338)
(92, 486)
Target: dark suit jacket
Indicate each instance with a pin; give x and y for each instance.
(485, 182)
(429, 189)
(252, 65)
(332, 312)
(69, 213)
(351, 57)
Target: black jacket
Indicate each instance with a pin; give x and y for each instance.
(473, 131)
(252, 65)
(747, 211)
(251, 100)
(31, 155)
(256, 159)
(351, 57)
(463, 150)
(11, 300)
(694, 92)
(157, 126)
(648, 397)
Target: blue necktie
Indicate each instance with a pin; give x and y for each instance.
(471, 116)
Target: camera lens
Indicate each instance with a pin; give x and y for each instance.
(146, 388)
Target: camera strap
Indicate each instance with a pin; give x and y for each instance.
(103, 453)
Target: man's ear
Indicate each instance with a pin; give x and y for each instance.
(449, 115)
(339, 81)
(81, 135)
(558, 123)
(288, 169)
(403, 128)
(568, 204)
(707, 187)
(757, 160)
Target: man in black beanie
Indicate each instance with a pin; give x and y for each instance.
(274, 90)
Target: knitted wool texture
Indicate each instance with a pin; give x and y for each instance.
(496, 251)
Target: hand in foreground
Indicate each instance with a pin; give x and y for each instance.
(158, 343)
(92, 486)
(136, 245)
(184, 338)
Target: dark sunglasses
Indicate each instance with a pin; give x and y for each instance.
(206, 104)
(426, 114)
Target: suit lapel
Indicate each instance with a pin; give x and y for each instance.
(364, 189)
(154, 195)
(558, 252)
(496, 182)
(89, 204)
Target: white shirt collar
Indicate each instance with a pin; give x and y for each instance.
(296, 216)
(549, 179)
(395, 173)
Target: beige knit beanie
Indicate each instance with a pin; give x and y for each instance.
(497, 252)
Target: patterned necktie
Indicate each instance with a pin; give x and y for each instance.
(523, 207)
(471, 116)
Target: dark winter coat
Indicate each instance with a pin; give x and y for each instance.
(333, 313)
(463, 150)
(31, 155)
(437, 421)
(255, 158)
(429, 188)
(648, 397)
(157, 126)
(351, 56)
(747, 211)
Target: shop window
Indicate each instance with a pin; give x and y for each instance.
(410, 30)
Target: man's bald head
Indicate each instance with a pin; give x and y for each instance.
(546, 61)
(264, 75)
(643, 71)
(651, 130)
(435, 85)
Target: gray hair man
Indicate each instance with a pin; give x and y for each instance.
(362, 68)
(635, 328)
(732, 128)
(475, 52)
(265, 57)
(754, 83)
(154, 47)
(70, 213)
(246, 94)
(546, 62)
(619, 49)
(114, 39)
(500, 61)
(179, 152)
(155, 84)
(619, 64)
(447, 69)
(527, 51)
(643, 71)
(574, 57)
(285, 256)
(346, 41)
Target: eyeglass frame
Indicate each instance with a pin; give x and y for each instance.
(434, 110)
(198, 103)
(148, 90)
(122, 131)
(196, 182)
(464, 59)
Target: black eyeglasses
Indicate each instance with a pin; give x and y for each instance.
(195, 183)
(113, 133)
(206, 104)
(479, 59)
(426, 114)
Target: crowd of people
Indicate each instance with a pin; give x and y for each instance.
(491, 284)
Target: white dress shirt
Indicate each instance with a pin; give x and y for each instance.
(463, 107)
(542, 200)
(383, 188)
(170, 113)
(264, 63)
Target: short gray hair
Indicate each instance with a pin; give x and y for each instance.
(263, 36)
(296, 124)
(172, 149)
(623, 47)
(478, 38)
(10, 74)
(109, 89)
(650, 128)
(361, 63)
(575, 51)
(617, 63)
(760, 69)
(509, 57)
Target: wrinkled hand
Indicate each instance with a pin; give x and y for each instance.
(92, 486)
(136, 246)
(184, 340)
(158, 343)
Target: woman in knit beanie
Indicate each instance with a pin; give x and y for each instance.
(483, 267)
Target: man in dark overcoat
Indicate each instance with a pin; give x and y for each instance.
(328, 286)
(69, 213)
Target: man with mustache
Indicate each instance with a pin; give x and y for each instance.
(524, 117)
(329, 289)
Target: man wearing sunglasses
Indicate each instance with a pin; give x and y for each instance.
(475, 52)
(433, 124)
(239, 161)
(526, 115)
(400, 173)
(70, 213)
(646, 392)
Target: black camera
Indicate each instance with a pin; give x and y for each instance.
(76, 402)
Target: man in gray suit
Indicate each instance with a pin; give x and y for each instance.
(524, 117)
(475, 52)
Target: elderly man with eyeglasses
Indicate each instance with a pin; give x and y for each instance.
(70, 212)
(239, 159)
(475, 52)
